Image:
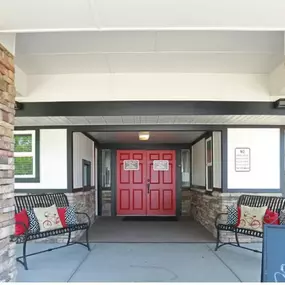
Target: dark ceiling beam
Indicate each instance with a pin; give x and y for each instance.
(147, 108)
(138, 128)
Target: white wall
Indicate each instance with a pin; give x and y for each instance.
(83, 148)
(217, 159)
(53, 161)
(199, 163)
(8, 40)
(167, 86)
(265, 158)
(20, 82)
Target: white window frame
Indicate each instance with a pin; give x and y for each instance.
(27, 154)
(208, 163)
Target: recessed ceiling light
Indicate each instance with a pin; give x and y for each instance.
(143, 136)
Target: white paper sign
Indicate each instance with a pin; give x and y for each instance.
(131, 164)
(242, 159)
(161, 165)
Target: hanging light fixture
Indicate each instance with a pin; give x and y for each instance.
(143, 136)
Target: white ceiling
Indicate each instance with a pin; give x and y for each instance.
(58, 15)
(152, 120)
(155, 137)
(149, 51)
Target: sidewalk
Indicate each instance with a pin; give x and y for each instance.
(142, 262)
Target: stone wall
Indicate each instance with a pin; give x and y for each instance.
(84, 202)
(205, 208)
(7, 112)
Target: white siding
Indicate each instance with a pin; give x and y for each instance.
(83, 148)
(53, 161)
(135, 87)
(217, 159)
(265, 158)
(198, 163)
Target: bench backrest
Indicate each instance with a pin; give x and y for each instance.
(273, 203)
(41, 200)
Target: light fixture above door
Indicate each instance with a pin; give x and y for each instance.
(143, 136)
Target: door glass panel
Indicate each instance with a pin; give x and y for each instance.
(86, 173)
(185, 167)
(106, 168)
(210, 177)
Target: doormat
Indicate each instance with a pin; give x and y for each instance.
(149, 219)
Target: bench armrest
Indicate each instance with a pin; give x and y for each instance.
(218, 216)
(88, 218)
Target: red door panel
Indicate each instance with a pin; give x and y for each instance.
(161, 198)
(134, 197)
(131, 186)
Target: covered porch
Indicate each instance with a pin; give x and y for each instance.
(153, 230)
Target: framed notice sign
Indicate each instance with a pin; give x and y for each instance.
(162, 165)
(242, 159)
(131, 164)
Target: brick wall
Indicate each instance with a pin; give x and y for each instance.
(7, 100)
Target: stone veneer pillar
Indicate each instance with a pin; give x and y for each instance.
(7, 112)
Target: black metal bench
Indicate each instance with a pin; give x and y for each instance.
(275, 204)
(46, 200)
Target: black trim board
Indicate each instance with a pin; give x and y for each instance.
(157, 128)
(147, 108)
(145, 146)
(88, 163)
(69, 142)
(41, 191)
(224, 158)
(282, 161)
(36, 179)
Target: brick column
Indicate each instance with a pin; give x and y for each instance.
(7, 100)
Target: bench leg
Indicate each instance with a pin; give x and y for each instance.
(236, 235)
(87, 239)
(69, 237)
(24, 257)
(218, 240)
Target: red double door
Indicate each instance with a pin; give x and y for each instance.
(146, 183)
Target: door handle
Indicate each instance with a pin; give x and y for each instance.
(148, 186)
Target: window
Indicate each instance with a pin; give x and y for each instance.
(185, 167)
(86, 174)
(209, 164)
(25, 155)
(106, 168)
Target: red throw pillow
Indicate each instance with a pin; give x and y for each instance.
(239, 214)
(271, 217)
(21, 217)
(61, 213)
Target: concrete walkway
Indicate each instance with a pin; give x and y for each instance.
(142, 262)
(114, 229)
